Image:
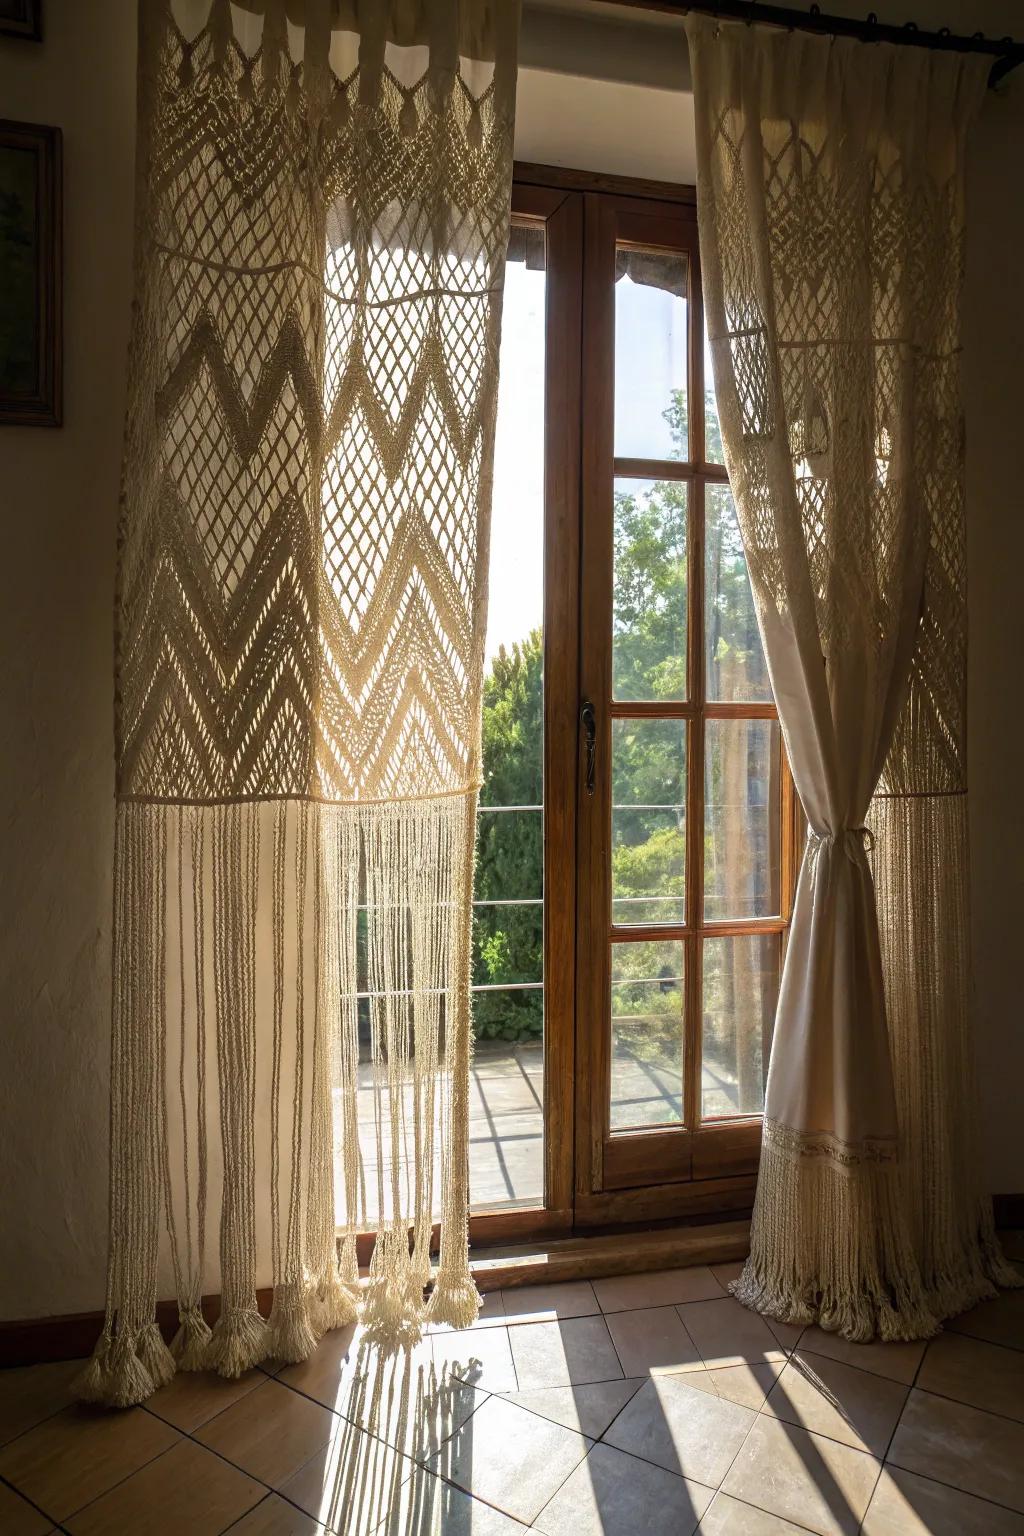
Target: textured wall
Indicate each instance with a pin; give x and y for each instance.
(58, 497)
(58, 507)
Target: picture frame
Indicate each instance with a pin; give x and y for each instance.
(30, 275)
(22, 18)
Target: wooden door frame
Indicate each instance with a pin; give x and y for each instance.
(695, 1167)
(721, 1176)
(560, 211)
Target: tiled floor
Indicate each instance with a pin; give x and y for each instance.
(652, 1405)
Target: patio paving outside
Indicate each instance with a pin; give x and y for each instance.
(506, 1116)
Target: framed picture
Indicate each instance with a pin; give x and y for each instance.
(21, 18)
(30, 275)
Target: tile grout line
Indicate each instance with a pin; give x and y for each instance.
(6, 1483)
(926, 1477)
(789, 1353)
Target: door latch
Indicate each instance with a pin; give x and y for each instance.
(588, 724)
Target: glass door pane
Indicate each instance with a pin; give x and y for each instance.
(647, 1035)
(506, 1151)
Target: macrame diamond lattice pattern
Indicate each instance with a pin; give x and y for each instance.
(300, 599)
(835, 388)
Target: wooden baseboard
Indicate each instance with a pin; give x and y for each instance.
(34, 1341)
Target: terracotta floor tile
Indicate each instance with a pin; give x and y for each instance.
(731, 1517)
(30, 1394)
(351, 1485)
(405, 1398)
(788, 1335)
(987, 1376)
(19, 1518)
(483, 1357)
(727, 1333)
(548, 1303)
(898, 1361)
(806, 1478)
(276, 1517)
(748, 1385)
(510, 1458)
(588, 1409)
(651, 1341)
(80, 1453)
(681, 1429)
(186, 1489)
(492, 1311)
(327, 1374)
(1000, 1321)
(194, 1397)
(614, 1494)
(904, 1504)
(830, 1398)
(657, 1288)
(428, 1506)
(725, 1274)
(270, 1433)
(979, 1452)
(564, 1354)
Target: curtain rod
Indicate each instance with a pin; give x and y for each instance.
(1007, 52)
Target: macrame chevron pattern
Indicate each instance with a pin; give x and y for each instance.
(322, 220)
(301, 596)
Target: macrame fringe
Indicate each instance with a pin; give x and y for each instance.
(455, 1300)
(334, 1305)
(192, 887)
(975, 1271)
(115, 1377)
(240, 1340)
(190, 1346)
(154, 1355)
(392, 1311)
(829, 1246)
(292, 1336)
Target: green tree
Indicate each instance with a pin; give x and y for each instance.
(508, 940)
(649, 662)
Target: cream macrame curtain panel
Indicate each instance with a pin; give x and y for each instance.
(322, 218)
(831, 210)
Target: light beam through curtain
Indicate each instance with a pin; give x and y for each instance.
(831, 213)
(321, 223)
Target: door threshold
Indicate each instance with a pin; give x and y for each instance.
(618, 1253)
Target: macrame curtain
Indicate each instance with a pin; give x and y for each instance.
(831, 211)
(322, 218)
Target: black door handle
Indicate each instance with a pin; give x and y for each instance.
(588, 724)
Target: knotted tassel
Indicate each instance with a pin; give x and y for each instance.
(393, 1305)
(155, 1356)
(190, 1346)
(115, 1376)
(292, 1337)
(240, 1340)
(334, 1305)
(455, 1299)
(90, 1385)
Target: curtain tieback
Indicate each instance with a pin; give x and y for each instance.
(855, 841)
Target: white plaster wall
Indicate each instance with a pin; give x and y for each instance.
(58, 508)
(58, 499)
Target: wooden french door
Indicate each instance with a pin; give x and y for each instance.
(668, 843)
(684, 802)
